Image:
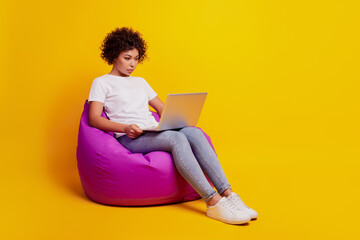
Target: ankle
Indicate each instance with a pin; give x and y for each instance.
(214, 200)
(227, 192)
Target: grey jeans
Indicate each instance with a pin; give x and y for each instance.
(192, 154)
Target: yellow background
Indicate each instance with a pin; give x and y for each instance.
(282, 111)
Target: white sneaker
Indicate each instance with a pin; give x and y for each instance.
(236, 200)
(226, 212)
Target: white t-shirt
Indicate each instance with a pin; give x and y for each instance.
(126, 99)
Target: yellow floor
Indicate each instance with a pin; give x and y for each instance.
(294, 201)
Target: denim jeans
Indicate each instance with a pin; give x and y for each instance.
(192, 154)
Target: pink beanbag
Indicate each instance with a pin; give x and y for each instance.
(111, 174)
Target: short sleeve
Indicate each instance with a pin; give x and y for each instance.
(150, 92)
(97, 91)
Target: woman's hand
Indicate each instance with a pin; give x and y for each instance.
(133, 130)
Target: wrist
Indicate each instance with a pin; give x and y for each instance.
(122, 127)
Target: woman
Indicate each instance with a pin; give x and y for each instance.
(126, 98)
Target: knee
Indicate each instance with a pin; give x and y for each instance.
(192, 131)
(176, 138)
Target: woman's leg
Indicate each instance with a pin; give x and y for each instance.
(176, 143)
(207, 159)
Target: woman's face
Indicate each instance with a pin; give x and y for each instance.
(125, 63)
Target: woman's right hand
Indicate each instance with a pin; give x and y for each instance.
(133, 131)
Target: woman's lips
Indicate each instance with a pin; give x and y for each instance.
(130, 70)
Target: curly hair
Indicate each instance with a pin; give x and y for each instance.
(120, 40)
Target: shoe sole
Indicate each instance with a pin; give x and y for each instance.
(227, 221)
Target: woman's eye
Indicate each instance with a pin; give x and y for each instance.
(127, 58)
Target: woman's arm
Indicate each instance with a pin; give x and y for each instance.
(157, 104)
(97, 121)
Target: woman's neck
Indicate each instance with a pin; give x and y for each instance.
(117, 73)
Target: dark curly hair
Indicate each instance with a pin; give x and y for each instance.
(120, 40)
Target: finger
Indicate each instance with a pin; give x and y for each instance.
(138, 130)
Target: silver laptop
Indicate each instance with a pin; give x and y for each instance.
(180, 110)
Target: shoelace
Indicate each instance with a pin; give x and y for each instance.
(239, 202)
(229, 206)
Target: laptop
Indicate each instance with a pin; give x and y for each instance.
(180, 110)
